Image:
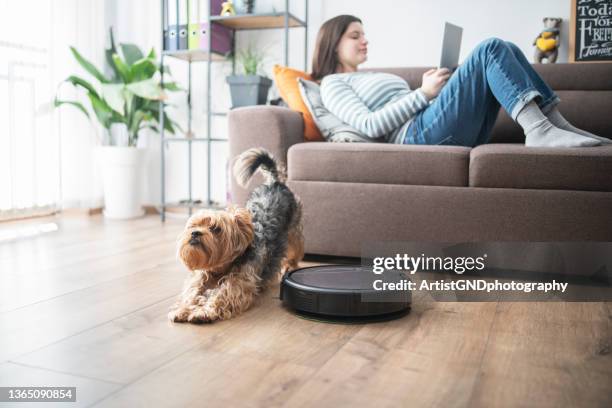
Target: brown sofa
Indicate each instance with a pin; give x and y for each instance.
(502, 191)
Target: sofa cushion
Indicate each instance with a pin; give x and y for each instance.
(379, 163)
(518, 166)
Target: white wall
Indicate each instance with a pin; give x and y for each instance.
(401, 33)
(409, 32)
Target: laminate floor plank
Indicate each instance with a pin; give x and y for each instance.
(266, 332)
(429, 358)
(18, 290)
(45, 258)
(69, 231)
(551, 354)
(32, 327)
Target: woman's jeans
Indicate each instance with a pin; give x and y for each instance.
(495, 73)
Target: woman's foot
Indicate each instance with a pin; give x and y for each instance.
(543, 133)
(559, 121)
(539, 131)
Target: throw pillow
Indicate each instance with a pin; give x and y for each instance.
(332, 128)
(286, 80)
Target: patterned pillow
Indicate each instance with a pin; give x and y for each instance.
(332, 128)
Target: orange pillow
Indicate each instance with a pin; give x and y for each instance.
(286, 80)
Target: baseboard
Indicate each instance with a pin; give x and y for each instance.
(95, 211)
(28, 216)
(149, 210)
(154, 210)
(82, 211)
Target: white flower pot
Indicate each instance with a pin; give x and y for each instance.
(121, 174)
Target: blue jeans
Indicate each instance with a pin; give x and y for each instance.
(495, 74)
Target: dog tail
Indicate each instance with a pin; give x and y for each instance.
(258, 159)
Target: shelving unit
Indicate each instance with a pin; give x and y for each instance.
(260, 21)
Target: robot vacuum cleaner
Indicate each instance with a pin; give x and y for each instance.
(342, 293)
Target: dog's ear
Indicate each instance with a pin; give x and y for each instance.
(243, 219)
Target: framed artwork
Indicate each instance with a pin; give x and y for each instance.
(590, 31)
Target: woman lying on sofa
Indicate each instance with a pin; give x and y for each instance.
(458, 109)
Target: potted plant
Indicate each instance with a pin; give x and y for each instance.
(251, 88)
(123, 104)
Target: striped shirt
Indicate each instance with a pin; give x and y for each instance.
(376, 104)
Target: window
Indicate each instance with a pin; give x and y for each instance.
(29, 144)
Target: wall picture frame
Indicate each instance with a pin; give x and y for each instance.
(590, 37)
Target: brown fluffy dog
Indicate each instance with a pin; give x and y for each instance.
(233, 254)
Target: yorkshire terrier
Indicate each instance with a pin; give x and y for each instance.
(234, 254)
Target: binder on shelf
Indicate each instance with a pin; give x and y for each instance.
(183, 16)
(186, 28)
(175, 25)
(170, 37)
(199, 30)
(171, 24)
(196, 30)
(182, 37)
(221, 38)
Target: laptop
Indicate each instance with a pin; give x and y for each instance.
(451, 45)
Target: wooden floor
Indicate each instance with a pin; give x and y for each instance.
(86, 306)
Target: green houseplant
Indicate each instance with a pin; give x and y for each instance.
(130, 96)
(123, 103)
(251, 88)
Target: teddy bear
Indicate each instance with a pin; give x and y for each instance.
(227, 8)
(547, 42)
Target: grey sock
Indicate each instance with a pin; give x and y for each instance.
(559, 121)
(540, 132)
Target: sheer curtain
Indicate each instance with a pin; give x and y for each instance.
(46, 155)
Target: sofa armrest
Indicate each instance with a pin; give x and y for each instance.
(273, 128)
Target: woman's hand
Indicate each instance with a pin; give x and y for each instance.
(433, 81)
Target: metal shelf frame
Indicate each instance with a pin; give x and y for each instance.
(259, 21)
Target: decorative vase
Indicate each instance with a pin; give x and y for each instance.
(121, 175)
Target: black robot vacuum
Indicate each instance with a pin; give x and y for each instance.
(342, 293)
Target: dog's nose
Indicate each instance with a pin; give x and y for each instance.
(195, 234)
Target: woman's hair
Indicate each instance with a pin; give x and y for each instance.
(325, 59)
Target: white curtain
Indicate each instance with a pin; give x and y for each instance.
(46, 155)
